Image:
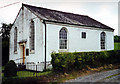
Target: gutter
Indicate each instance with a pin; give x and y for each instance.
(45, 44)
(80, 25)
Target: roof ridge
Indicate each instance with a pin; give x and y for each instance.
(53, 9)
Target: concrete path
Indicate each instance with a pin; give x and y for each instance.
(107, 76)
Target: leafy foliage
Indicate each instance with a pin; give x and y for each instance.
(116, 38)
(5, 30)
(79, 60)
(5, 34)
(10, 69)
(117, 46)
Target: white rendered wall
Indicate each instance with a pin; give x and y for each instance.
(23, 32)
(110, 40)
(75, 42)
(119, 30)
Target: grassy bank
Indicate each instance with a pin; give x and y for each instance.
(57, 77)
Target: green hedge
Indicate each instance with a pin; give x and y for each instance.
(79, 60)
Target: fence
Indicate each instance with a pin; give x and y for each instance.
(30, 69)
(35, 67)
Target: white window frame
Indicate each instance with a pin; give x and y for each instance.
(64, 37)
(103, 42)
(83, 37)
(32, 51)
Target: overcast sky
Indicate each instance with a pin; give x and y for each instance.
(104, 11)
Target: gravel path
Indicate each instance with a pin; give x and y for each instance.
(113, 79)
(99, 77)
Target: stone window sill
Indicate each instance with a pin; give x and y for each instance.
(63, 50)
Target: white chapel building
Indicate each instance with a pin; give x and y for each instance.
(37, 32)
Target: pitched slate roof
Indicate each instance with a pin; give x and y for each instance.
(64, 17)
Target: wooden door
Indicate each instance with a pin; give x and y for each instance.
(23, 54)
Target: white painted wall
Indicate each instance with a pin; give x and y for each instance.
(118, 30)
(23, 28)
(75, 42)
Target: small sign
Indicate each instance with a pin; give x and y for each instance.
(27, 52)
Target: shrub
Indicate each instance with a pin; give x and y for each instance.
(80, 60)
(10, 69)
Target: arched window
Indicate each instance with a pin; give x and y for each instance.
(102, 35)
(63, 38)
(15, 39)
(32, 35)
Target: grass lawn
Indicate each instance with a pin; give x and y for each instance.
(27, 73)
(116, 46)
(31, 74)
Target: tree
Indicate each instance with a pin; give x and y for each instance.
(5, 34)
(5, 30)
(116, 38)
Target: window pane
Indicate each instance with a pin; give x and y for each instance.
(63, 38)
(32, 36)
(15, 39)
(83, 34)
(102, 40)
